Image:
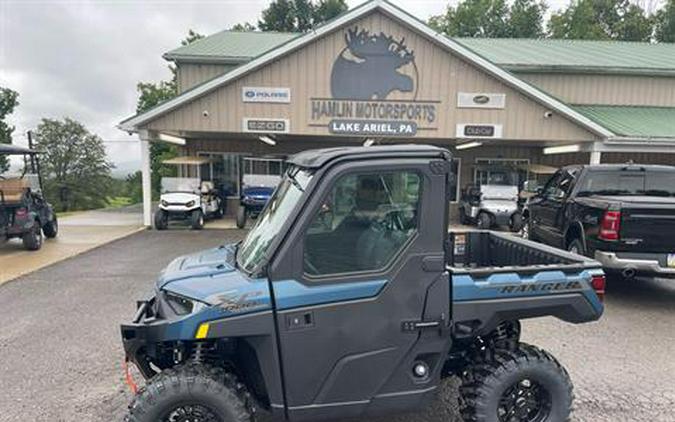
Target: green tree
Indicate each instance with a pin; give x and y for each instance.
(8, 101)
(150, 95)
(75, 168)
(243, 27)
(665, 23)
(602, 20)
(298, 15)
(474, 18)
(526, 19)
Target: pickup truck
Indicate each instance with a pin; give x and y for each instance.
(350, 298)
(623, 215)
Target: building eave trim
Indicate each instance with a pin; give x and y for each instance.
(132, 124)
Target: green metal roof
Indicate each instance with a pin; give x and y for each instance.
(230, 46)
(633, 121)
(576, 55)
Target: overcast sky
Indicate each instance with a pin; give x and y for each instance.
(82, 59)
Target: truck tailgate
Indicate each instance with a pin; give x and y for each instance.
(649, 223)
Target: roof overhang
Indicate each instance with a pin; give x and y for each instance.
(133, 124)
(188, 161)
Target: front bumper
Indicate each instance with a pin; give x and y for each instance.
(638, 264)
(145, 331)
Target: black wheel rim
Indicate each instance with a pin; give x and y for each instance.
(191, 413)
(524, 401)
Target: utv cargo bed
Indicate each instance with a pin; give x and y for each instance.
(499, 277)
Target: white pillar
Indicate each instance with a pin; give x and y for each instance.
(145, 177)
(596, 157)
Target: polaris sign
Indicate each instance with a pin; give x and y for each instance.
(265, 95)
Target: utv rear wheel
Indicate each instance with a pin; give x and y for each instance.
(197, 219)
(526, 384)
(484, 221)
(192, 393)
(161, 220)
(51, 229)
(241, 217)
(32, 240)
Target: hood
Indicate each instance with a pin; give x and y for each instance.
(258, 191)
(499, 192)
(179, 197)
(210, 277)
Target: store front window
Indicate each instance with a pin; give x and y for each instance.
(223, 171)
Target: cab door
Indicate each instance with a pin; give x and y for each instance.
(361, 292)
(547, 209)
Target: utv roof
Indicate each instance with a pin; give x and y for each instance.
(318, 157)
(6, 149)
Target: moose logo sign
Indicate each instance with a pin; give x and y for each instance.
(373, 85)
(368, 67)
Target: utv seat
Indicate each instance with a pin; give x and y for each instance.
(12, 190)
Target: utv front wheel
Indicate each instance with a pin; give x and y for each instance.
(197, 219)
(522, 385)
(193, 393)
(161, 220)
(484, 221)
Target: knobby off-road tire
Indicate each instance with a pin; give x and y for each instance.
(504, 386)
(51, 229)
(195, 393)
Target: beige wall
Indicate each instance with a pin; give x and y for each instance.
(606, 89)
(307, 73)
(190, 75)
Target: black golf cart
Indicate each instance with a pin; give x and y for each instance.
(24, 212)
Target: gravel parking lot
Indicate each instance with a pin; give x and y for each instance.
(61, 353)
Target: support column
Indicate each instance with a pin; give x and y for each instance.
(145, 177)
(596, 155)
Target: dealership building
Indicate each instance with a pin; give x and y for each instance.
(378, 75)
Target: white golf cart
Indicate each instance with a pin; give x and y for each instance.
(188, 198)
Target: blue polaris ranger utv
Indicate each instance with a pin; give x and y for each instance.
(349, 298)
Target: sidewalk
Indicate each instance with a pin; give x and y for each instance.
(78, 233)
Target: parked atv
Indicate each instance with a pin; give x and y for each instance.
(24, 212)
(253, 200)
(349, 298)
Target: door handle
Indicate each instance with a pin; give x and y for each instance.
(300, 320)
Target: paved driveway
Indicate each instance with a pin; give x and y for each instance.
(78, 233)
(61, 354)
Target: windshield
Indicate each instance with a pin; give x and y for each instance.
(254, 248)
(180, 184)
(652, 183)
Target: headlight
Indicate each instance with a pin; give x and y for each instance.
(190, 204)
(164, 203)
(182, 305)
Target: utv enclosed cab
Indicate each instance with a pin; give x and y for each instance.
(24, 213)
(349, 298)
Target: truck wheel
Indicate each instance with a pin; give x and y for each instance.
(522, 385)
(161, 220)
(241, 217)
(32, 240)
(197, 219)
(192, 393)
(484, 221)
(575, 246)
(516, 222)
(51, 229)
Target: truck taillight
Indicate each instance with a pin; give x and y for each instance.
(610, 225)
(598, 283)
(21, 212)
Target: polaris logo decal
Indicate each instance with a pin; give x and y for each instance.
(239, 303)
(541, 287)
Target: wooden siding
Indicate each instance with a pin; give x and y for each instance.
(606, 89)
(190, 75)
(307, 72)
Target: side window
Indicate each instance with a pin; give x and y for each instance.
(363, 223)
(559, 186)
